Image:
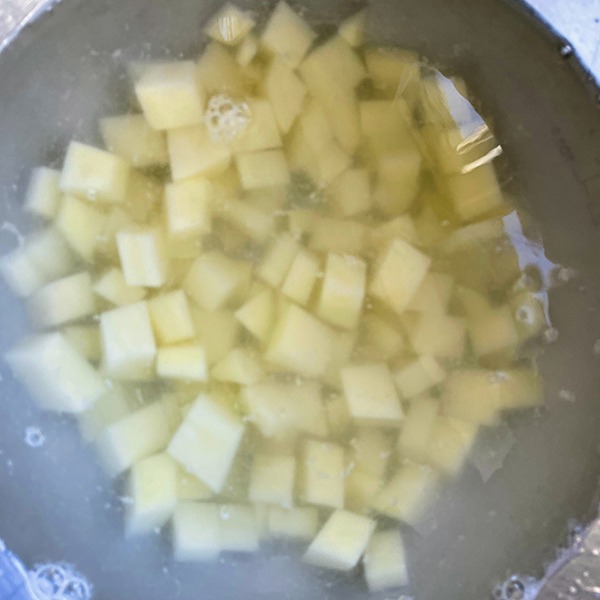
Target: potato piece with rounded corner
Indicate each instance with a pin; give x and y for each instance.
(385, 561)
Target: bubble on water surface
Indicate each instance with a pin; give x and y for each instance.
(58, 582)
(225, 118)
(34, 437)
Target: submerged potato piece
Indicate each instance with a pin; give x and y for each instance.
(338, 236)
(49, 254)
(450, 443)
(382, 337)
(43, 192)
(371, 396)
(277, 260)
(170, 95)
(352, 30)
(219, 73)
(171, 318)
(285, 92)
(398, 274)
(85, 339)
(188, 207)
(272, 479)
(189, 487)
(433, 294)
(360, 488)
(143, 256)
(207, 441)
(239, 528)
(385, 561)
(492, 332)
(55, 374)
(371, 450)
(81, 225)
(262, 132)
(301, 277)
(415, 435)
(351, 192)
(230, 25)
(242, 366)
(264, 168)
(341, 541)
(185, 361)
(299, 523)
(398, 180)
(322, 473)
(439, 335)
(218, 332)
(196, 532)
(301, 343)
(258, 315)
(419, 376)
(94, 174)
(113, 405)
(112, 287)
(19, 273)
(251, 220)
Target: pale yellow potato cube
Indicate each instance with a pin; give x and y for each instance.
(439, 335)
(264, 168)
(520, 388)
(352, 29)
(247, 50)
(94, 174)
(144, 197)
(214, 279)
(338, 415)
(230, 25)
(493, 332)
(255, 222)
(131, 137)
(218, 332)
(171, 318)
(112, 287)
(418, 376)
(192, 151)
(241, 366)
(341, 354)
(81, 225)
(302, 221)
(262, 132)
(415, 435)
(272, 479)
(338, 236)
(128, 346)
(143, 256)
(301, 523)
(407, 495)
(371, 450)
(207, 441)
(360, 489)
(433, 294)
(285, 91)
(152, 488)
(50, 254)
(219, 73)
(170, 95)
(301, 343)
(277, 260)
(387, 126)
(115, 404)
(189, 487)
(343, 291)
(382, 337)
(188, 207)
(398, 180)
(196, 532)
(258, 315)
(402, 226)
(19, 272)
(287, 34)
(529, 313)
(85, 339)
(301, 277)
(61, 301)
(185, 361)
(55, 374)
(351, 192)
(114, 220)
(239, 528)
(321, 472)
(385, 561)
(135, 436)
(371, 396)
(398, 274)
(341, 541)
(450, 443)
(43, 193)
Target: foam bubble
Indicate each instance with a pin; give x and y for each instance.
(225, 118)
(58, 582)
(34, 437)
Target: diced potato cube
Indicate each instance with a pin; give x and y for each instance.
(152, 488)
(61, 301)
(382, 337)
(262, 132)
(386, 125)
(450, 443)
(258, 314)
(338, 415)
(520, 388)
(214, 279)
(407, 494)
(189, 487)
(247, 50)
(352, 29)
(262, 169)
(43, 193)
(240, 366)
(339, 236)
(219, 73)
(239, 528)
(192, 151)
(419, 376)
(398, 274)
(439, 335)
(253, 221)
(131, 137)
(112, 287)
(371, 450)
(144, 196)
(371, 396)
(272, 479)
(171, 318)
(285, 92)
(341, 541)
(188, 207)
(393, 69)
(398, 180)
(529, 314)
(135, 436)
(81, 225)
(301, 277)
(19, 272)
(351, 192)
(415, 435)
(277, 260)
(402, 226)
(287, 34)
(230, 25)
(343, 291)
(301, 343)
(186, 361)
(114, 221)
(85, 339)
(115, 404)
(128, 345)
(143, 257)
(207, 441)
(55, 374)
(385, 561)
(493, 332)
(300, 523)
(196, 532)
(217, 330)
(433, 294)
(341, 354)
(361, 486)
(170, 95)
(322, 474)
